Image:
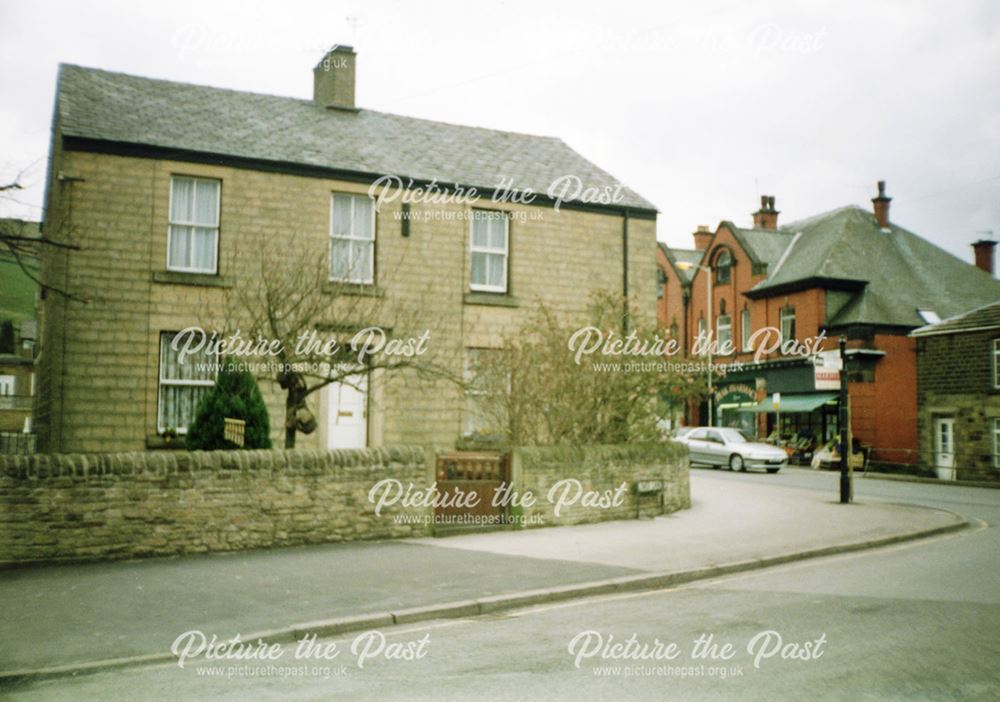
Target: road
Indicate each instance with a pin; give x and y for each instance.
(915, 621)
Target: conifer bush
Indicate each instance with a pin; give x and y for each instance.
(236, 396)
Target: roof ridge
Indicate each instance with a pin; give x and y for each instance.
(306, 101)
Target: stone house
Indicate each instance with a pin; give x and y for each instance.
(958, 395)
(848, 272)
(170, 190)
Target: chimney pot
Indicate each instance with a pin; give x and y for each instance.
(333, 79)
(766, 217)
(702, 236)
(880, 206)
(984, 249)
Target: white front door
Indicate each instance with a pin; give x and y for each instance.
(944, 447)
(346, 420)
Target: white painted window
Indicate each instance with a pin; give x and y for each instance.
(996, 443)
(745, 329)
(483, 380)
(6, 385)
(182, 385)
(489, 248)
(352, 238)
(193, 236)
(996, 363)
(723, 331)
(787, 323)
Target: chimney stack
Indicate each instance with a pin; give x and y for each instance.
(880, 205)
(766, 217)
(984, 254)
(333, 79)
(702, 237)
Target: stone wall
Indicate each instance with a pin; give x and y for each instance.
(600, 471)
(74, 507)
(99, 506)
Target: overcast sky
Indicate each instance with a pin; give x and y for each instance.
(701, 107)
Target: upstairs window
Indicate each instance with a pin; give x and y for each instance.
(352, 239)
(745, 329)
(996, 363)
(723, 268)
(724, 332)
(661, 281)
(489, 251)
(193, 235)
(787, 323)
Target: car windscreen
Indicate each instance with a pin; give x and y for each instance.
(734, 436)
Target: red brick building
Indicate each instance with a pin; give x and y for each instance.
(849, 272)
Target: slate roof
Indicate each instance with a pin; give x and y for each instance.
(692, 256)
(126, 109)
(897, 271)
(979, 319)
(763, 245)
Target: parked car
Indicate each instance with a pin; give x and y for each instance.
(680, 432)
(724, 446)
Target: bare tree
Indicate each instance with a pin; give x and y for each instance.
(25, 245)
(327, 331)
(534, 390)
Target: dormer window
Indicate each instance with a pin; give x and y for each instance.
(929, 316)
(723, 268)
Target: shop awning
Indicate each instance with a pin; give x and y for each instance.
(793, 403)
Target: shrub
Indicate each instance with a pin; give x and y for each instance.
(236, 396)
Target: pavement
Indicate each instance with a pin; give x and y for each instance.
(60, 620)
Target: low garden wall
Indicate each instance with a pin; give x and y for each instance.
(599, 483)
(96, 506)
(77, 507)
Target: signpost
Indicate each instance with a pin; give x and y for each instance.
(776, 401)
(845, 418)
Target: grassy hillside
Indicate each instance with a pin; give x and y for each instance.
(17, 291)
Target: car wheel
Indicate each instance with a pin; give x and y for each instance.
(736, 463)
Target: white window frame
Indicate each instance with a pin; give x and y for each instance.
(201, 225)
(746, 329)
(8, 385)
(996, 363)
(719, 326)
(505, 251)
(996, 442)
(787, 314)
(365, 277)
(173, 382)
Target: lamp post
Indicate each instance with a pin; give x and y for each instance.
(685, 265)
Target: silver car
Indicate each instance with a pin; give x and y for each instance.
(723, 446)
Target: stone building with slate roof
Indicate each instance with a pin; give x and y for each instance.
(958, 395)
(170, 189)
(849, 272)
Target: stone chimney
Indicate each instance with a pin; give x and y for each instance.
(766, 217)
(702, 237)
(880, 205)
(984, 254)
(333, 79)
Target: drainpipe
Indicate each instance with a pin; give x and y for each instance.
(625, 314)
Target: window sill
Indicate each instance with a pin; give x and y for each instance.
(490, 299)
(160, 443)
(207, 280)
(333, 287)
